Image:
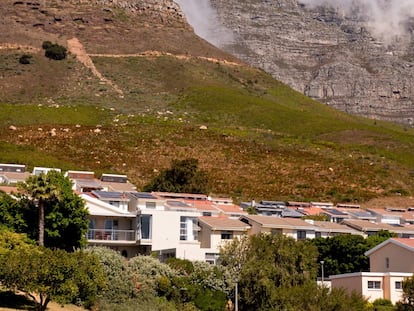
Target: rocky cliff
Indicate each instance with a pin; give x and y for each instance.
(328, 56)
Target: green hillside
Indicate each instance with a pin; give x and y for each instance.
(260, 139)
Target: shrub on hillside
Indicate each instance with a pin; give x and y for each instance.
(25, 59)
(54, 50)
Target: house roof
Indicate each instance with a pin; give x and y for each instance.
(277, 222)
(202, 205)
(327, 226)
(86, 183)
(173, 195)
(365, 225)
(19, 176)
(119, 186)
(230, 209)
(223, 223)
(310, 210)
(97, 207)
(408, 244)
(8, 189)
(386, 212)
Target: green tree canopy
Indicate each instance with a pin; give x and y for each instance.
(184, 176)
(45, 275)
(346, 253)
(47, 205)
(275, 272)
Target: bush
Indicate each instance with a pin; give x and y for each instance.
(25, 59)
(46, 45)
(54, 50)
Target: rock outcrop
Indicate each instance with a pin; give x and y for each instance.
(327, 56)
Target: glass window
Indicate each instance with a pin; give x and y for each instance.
(301, 234)
(188, 228)
(145, 222)
(226, 235)
(398, 285)
(387, 262)
(374, 284)
(318, 234)
(150, 205)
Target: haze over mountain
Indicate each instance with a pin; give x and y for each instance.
(353, 55)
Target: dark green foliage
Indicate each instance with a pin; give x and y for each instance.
(25, 59)
(407, 303)
(275, 272)
(54, 50)
(45, 274)
(345, 253)
(65, 220)
(184, 176)
(46, 45)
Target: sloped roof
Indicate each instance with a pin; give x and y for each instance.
(277, 222)
(406, 243)
(97, 207)
(327, 226)
(223, 223)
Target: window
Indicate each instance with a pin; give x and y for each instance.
(318, 234)
(398, 285)
(206, 213)
(145, 226)
(225, 235)
(374, 284)
(150, 205)
(276, 231)
(188, 229)
(301, 234)
(387, 262)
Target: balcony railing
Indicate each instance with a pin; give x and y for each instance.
(111, 235)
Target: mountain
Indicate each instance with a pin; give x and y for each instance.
(139, 89)
(355, 56)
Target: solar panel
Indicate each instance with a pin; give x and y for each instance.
(144, 195)
(335, 212)
(107, 194)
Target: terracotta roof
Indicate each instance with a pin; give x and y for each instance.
(230, 208)
(224, 223)
(310, 210)
(201, 205)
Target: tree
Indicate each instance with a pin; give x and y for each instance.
(62, 215)
(54, 50)
(407, 303)
(346, 253)
(39, 189)
(184, 176)
(275, 272)
(268, 264)
(45, 275)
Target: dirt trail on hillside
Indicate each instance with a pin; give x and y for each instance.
(157, 53)
(12, 46)
(76, 48)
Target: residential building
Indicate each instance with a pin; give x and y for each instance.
(44, 170)
(370, 228)
(334, 215)
(326, 229)
(391, 262)
(292, 227)
(215, 232)
(111, 226)
(84, 181)
(117, 183)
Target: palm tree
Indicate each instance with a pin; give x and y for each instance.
(39, 190)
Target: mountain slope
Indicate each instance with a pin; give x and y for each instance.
(256, 137)
(331, 56)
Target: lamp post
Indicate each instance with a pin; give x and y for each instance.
(323, 272)
(236, 296)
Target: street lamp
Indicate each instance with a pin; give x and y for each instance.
(236, 296)
(323, 272)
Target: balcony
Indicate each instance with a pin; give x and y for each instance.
(108, 235)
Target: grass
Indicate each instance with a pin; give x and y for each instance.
(263, 140)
